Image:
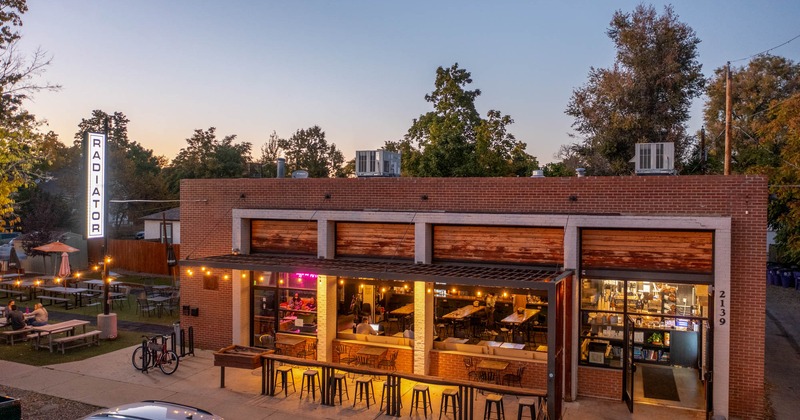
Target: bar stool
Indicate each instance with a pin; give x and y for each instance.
(526, 403)
(310, 385)
(339, 381)
(447, 395)
(425, 393)
(494, 399)
(385, 392)
(286, 372)
(363, 385)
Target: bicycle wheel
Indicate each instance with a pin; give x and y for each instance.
(138, 358)
(169, 362)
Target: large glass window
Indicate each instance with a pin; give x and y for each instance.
(660, 312)
(283, 303)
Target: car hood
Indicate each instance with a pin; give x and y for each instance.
(155, 410)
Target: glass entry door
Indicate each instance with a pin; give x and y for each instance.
(629, 368)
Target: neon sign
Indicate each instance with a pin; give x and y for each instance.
(96, 191)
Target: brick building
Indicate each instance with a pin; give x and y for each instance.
(669, 270)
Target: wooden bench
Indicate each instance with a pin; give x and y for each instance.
(9, 335)
(78, 340)
(19, 293)
(53, 300)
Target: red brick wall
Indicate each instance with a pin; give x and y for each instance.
(600, 383)
(404, 362)
(206, 230)
(451, 365)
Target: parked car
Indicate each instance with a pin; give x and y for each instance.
(153, 410)
(140, 234)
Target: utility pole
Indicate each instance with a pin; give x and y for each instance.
(728, 119)
(703, 150)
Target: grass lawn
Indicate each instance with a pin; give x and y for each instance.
(23, 353)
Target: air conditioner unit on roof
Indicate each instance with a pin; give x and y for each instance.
(377, 163)
(654, 159)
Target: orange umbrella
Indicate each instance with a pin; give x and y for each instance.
(56, 247)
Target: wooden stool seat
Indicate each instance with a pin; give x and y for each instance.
(527, 403)
(364, 386)
(449, 394)
(493, 400)
(424, 392)
(308, 383)
(285, 373)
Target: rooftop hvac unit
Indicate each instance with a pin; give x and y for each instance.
(654, 159)
(377, 163)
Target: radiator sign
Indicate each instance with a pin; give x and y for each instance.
(96, 192)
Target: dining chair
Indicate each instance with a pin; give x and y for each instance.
(472, 373)
(390, 362)
(143, 305)
(343, 353)
(514, 378)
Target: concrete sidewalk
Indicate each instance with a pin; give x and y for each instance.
(110, 379)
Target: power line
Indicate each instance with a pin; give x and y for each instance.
(766, 51)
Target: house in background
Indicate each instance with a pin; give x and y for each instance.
(154, 226)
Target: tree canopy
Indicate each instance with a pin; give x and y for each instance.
(454, 141)
(756, 88)
(308, 149)
(206, 156)
(644, 97)
(20, 140)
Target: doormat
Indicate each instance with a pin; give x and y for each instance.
(659, 383)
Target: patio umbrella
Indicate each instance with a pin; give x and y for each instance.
(63, 269)
(55, 247)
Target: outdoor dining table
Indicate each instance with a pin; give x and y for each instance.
(159, 301)
(496, 366)
(99, 284)
(49, 330)
(373, 353)
(464, 312)
(403, 313)
(516, 319)
(288, 344)
(76, 292)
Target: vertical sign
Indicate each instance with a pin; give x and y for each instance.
(96, 192)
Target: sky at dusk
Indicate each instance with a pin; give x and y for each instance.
(358, 69)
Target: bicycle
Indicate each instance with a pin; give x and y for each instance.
(157, 355)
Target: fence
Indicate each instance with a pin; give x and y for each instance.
(132, 255)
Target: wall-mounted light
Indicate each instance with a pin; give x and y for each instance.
(261, 279)
(244, 275)
(280, 281)
(505, 294)
(383, 290)
(235, 251)
(430, 290)
(189, 272)
(225, 277)
(341, 281)
(479, 293)
(453, 291)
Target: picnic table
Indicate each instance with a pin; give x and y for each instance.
(76, 292)
(99, 284)
(49, 330)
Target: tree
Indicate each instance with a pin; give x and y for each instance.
(19, 138)
(309, 150)
(763, 82)
(645, 97)
(783, 127)
(270, 151)
(207, 157)
(453, 139)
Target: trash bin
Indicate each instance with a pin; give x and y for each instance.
(176, 327)
(10, 408)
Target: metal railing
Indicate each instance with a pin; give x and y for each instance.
(466, 388)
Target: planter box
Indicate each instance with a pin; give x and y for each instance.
(239, 357)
